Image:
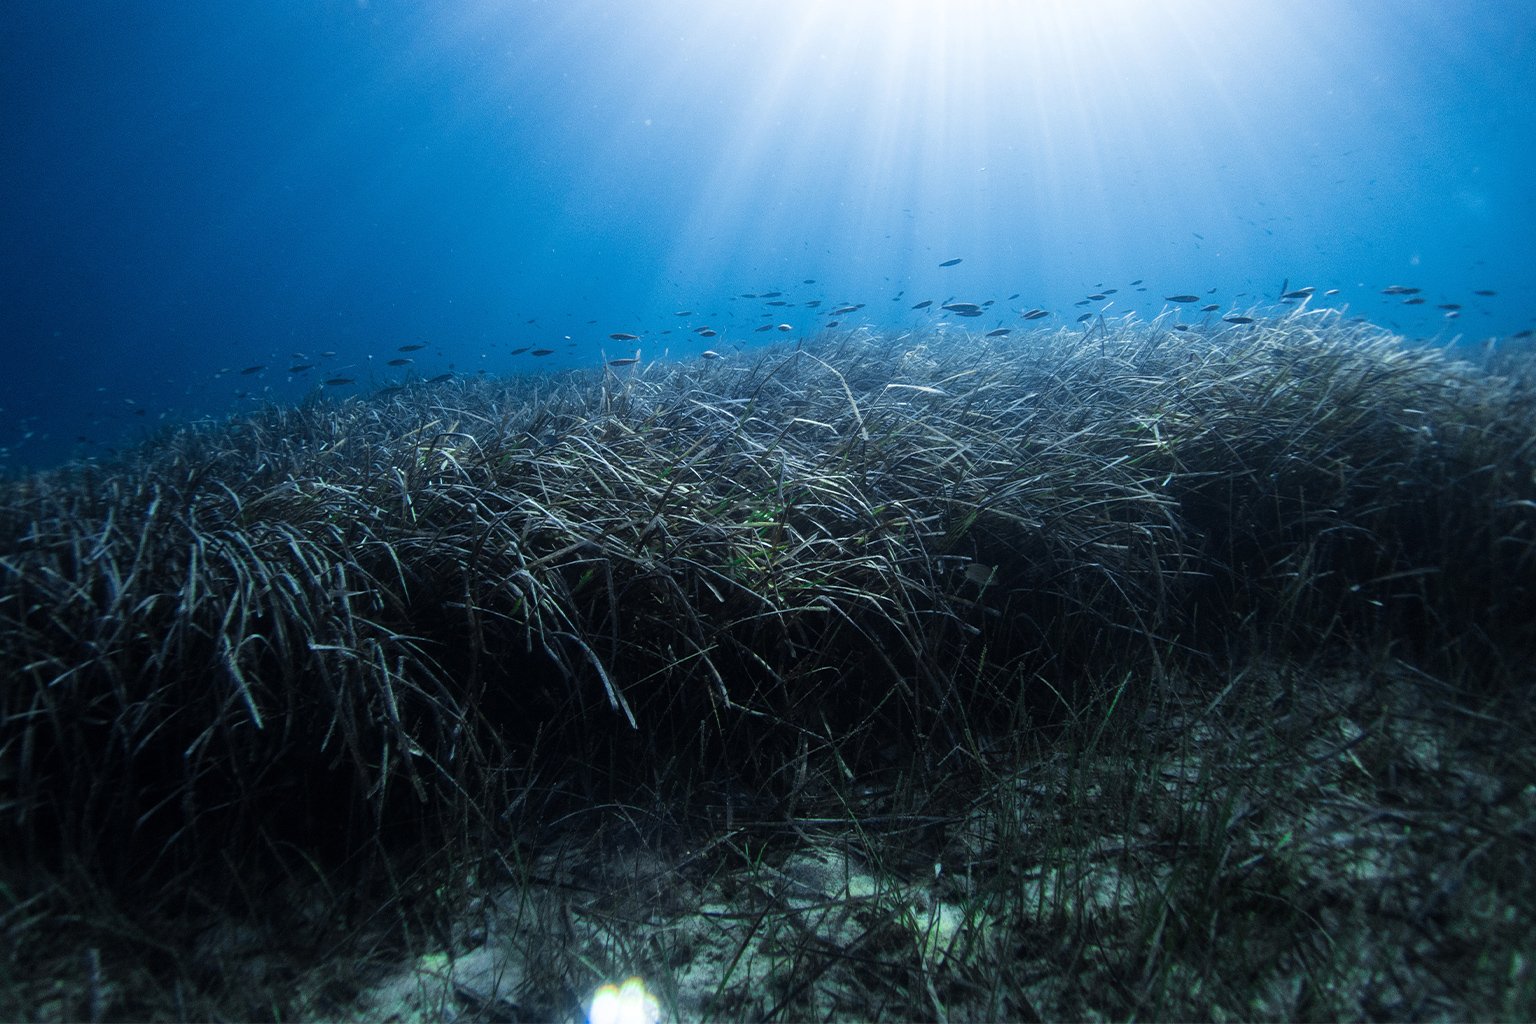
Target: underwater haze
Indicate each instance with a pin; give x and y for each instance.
(209, 206)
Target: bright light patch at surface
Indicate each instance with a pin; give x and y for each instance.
(911, 127)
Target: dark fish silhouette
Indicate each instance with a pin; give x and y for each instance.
(950, 263)
(924, 304)
(1000, 332)
(411, 348)
(624, 337)
(1182, 298)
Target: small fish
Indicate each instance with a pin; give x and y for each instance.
(749, 295)
(1134, 283)
(1181, 298)
(1097, 297)
(980, 574)
(924, 304)
(1238, 319)
(760, 330)
(769, 295)
(1298, 293)
(700, 330)
(1181, 327)
(777, 302)
(1449, 305)
(809, 280)
(1331, 291)
(253, 369)
(1415, 301)
(1000, 332)
(625, 361)
(1110, 291)
(785, 327)
(708, 333)
(1486, 293)
(709, 353)
(1397, 289)
(1210, 307)
(951, 263)
(1085, 316)
(1035, 314)
(542, 352)
(813, 304)
(336, 382)
(963, 308)
(440, 378)
(683, 312)
(401, 362)
(833, 323)
(300, 367)
(1013, 296)
(411, 348)
(840, 310)
(1453, 314)
(624, 337)
(520, 350)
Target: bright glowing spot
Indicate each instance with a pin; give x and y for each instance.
(628, 1003)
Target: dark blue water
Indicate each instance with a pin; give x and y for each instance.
(191, 189)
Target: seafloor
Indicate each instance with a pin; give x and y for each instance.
(1102, 673)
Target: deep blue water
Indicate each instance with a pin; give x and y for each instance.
(190, 188)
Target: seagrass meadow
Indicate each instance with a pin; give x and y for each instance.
(1117, 672)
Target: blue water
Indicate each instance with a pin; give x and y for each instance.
(191, 189)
